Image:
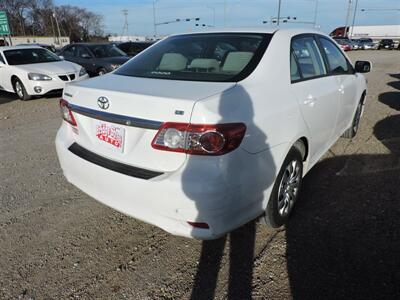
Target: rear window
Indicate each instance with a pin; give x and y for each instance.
(200, 57)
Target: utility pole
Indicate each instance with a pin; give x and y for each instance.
(58, 28)
(279, 12)
(354, 18)
(347, 19)
(315, 13)
(125, 29)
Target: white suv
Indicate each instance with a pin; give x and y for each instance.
(34, 71)
(201, 133)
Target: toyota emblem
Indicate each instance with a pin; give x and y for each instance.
(103, 103)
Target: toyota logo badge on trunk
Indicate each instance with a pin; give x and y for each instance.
(103, 103)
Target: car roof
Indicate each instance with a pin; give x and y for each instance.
(5, 48)
(270, 30)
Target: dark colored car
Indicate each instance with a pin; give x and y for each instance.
(97, 59)
(48, 47)
(133, 48)
(386, 44)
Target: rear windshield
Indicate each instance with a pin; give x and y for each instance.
(200, 57)
(101, 51)
(30, 56)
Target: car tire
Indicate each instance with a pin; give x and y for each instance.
(101, 72)
(351, 132)
(286, 190)
(20, 90)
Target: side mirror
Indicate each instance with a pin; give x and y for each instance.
(362, 66)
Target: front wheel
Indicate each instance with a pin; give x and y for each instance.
(286, 189)
(20, 90)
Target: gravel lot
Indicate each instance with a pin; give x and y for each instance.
(343, 241)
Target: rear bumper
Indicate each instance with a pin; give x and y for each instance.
(197, 192)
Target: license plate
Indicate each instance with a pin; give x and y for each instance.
(109, 136)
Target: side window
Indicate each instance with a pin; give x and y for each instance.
(69, 51)
(308, 57)
(336, 60)
(294, 70)
(82, 52)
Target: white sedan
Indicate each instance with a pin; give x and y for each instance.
(34, 71)
(203, 132)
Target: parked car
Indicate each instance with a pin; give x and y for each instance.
(133, 48)
(204, 132)
(34, 71)
(97, 59)
(386, 44)
(367, 44)
(357, 45)
(344, 45)
(46, 46)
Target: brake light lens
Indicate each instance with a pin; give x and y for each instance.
(199, 139)
(66, 113)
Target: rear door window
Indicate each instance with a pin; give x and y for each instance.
(310, 62)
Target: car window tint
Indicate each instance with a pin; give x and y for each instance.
(308, 56)
(69, 51)
(82, 52)
(200, 57)
(336, 60)
(294, 70)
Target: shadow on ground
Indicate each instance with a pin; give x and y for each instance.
(7, 97)
(343, 241)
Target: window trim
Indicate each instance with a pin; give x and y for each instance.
(329, 73)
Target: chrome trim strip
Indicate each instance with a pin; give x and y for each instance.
(114, 118)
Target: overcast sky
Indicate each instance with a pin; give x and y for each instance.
(331, 13)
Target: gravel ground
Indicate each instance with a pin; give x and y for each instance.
(343, 241)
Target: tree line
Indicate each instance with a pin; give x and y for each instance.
(41, 17)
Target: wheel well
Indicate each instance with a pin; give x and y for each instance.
(302, 145)
(363, 97)
(13, 79)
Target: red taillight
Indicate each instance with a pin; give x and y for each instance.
(66, 113)
(199, 139)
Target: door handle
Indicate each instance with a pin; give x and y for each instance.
(310, 101)
(341, 89)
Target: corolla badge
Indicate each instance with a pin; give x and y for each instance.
(103, 103)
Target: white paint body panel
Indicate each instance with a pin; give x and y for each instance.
(224, 191)
(52, 69)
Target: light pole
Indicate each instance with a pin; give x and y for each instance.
(279, 12)
(315, 13)
(224, 13)
(154, 18)
(347, 19)
(213, 9)
(354, 19)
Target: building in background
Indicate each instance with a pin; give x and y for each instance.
(128, 38)
(57, 42)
